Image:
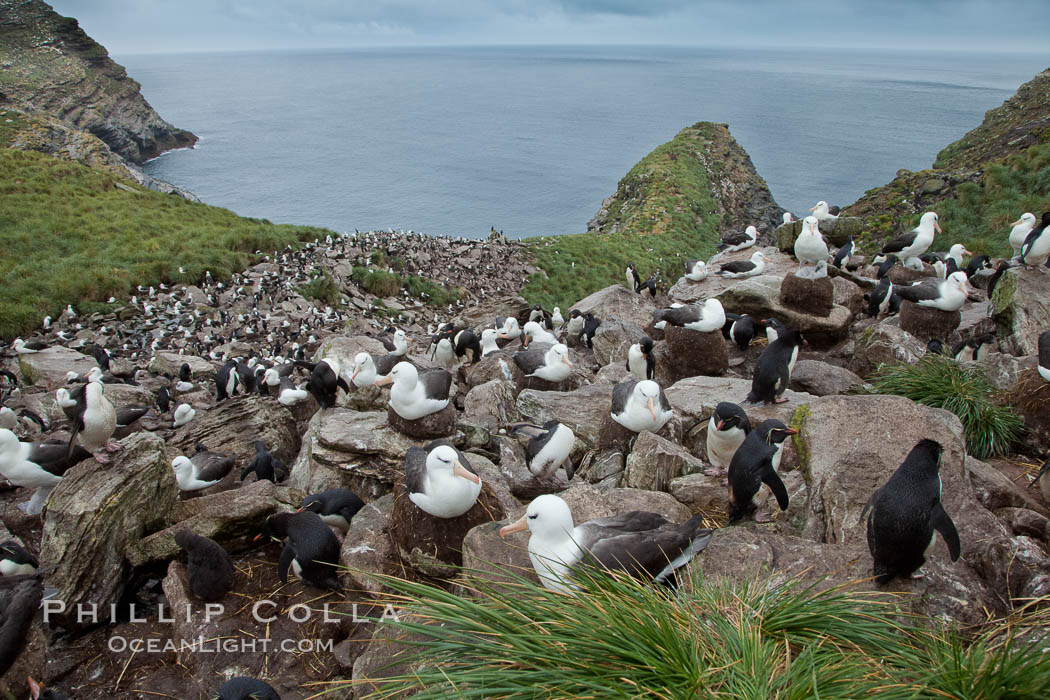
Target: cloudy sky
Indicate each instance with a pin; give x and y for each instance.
(152, 26)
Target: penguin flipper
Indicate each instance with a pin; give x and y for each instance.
(343, 385)
(287, 557)
(942, 523)
(771, 479)
(868, 505)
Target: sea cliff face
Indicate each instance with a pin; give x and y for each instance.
(48, 64)
(968, 169)
(701, 182)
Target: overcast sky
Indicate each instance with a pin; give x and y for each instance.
(164, 26)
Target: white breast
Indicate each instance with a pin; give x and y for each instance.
(722, 444)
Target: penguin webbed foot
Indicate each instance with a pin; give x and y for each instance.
(780, 399)
(762, 516)
(714, 471)
(112, 447)
(101, 457)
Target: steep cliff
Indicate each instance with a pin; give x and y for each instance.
(49, 65)
(700, 183)
(978, 184)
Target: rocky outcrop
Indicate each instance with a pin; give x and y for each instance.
(760, 298)
(96, 514)
(702, 171)
(1021, 304)
(52, 66)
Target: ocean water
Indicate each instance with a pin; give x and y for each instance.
(531, 139)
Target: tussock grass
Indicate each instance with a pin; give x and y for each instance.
(621, 638)
(70, 235)
(388, 284)
(979, 216)
(940, 382)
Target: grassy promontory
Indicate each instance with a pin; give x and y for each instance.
(70, 234)
(671, 206)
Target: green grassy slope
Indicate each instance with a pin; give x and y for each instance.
(73, 235)
(979, 183)
(664, 205)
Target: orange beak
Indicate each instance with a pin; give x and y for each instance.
(566, 361)
(383, 381)
(813, 208)
(518, 525)
(937, 225)
(1017, 223)
(459, 470)
(720, 424)
(651, 403)
(357, 371)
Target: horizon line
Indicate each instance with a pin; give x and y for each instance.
(640, 45)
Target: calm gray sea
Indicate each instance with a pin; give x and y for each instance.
(531, 139)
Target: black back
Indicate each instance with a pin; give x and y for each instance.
(905, 511)
(19, 599)
(337, 501)
(771, 371)
(752, 465)
(208, 568)
(310, 543)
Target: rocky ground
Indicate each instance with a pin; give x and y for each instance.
(107, 535)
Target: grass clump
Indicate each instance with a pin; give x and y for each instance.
(388, 284)
(621, 638)
(979, 215)
(940, 382)
(321, 288)
(70, 234)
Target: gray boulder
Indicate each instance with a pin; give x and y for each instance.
(231, 518)
(822, 379)
(96, 514)
(234, 425)
(617, 302)
(614, 338)
(884, 343)
(48, 367)
(171, 362)
(760, 298)
(655, 461)
(1021, 309)
(582, 410)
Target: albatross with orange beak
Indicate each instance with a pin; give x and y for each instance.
(439, 480)
(640, 406)
(646, 545)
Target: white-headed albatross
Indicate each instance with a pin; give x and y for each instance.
(646, 545)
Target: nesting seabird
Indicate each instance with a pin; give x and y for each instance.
(95, 422)
(184, 413)
(1019, 231)
(440, 480)
(810, 247)
(548, 446)
(36, 465)
(550, 362)
(822, 212)
(948, 295)
(416, 394)
(396, 344)
(640, 406)
(705, 319)
(744, 268)
(646, 545)
(488, 341)
(909, 246)
(535, 333)
(735, 240)
(696, 270)
(204, 469)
